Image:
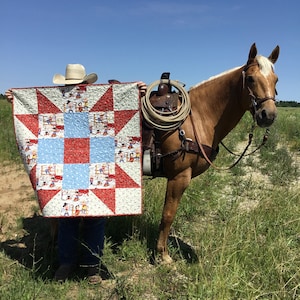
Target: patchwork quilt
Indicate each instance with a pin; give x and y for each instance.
(81, 147)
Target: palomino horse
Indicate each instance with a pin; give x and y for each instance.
(217, 105)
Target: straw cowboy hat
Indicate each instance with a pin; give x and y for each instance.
(75, 73)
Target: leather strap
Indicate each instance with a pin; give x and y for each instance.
(194, 148)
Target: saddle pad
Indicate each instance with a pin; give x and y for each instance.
(81, 147)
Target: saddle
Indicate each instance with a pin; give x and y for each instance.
(162, 100)
(165, 100)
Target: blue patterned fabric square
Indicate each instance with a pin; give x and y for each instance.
(102, 149)
(76, 125)
(51, 151)
(76, 176)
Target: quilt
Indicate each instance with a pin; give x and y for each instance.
(81, 147)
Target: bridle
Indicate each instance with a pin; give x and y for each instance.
(256, 102)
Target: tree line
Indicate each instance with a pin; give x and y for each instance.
(288, 104)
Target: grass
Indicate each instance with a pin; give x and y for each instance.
(8, 148)
(236, 234)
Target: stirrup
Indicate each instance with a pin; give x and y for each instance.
(147, 169)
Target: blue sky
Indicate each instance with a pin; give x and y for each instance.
(138, 40)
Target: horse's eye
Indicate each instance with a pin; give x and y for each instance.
(250, 79)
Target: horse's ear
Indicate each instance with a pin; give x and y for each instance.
(252, 53)
(274, 55)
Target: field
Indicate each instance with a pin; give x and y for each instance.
(236, 234)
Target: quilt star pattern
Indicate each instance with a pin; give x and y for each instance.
(81, 147)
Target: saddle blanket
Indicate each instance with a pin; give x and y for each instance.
(81, 147)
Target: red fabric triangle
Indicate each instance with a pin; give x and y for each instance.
(121, 119)
(107, 196)
(44, 196)
(32, 177)
(45, 106)
(123, 180)
(105, 103)
(31, 122)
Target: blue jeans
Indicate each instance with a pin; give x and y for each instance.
(92, 240)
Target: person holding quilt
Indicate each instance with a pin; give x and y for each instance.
(92, 228)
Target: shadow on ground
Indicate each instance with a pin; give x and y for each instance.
(37, 249)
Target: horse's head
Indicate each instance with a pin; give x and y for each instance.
(259, 82)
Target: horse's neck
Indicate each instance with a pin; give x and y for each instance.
(216, 107)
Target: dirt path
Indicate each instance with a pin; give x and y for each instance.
(17, 198)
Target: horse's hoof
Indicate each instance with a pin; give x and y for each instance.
(166, 259)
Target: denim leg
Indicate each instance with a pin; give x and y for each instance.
(93, 240)
(68, 235)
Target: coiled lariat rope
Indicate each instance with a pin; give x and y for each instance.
(166, 120)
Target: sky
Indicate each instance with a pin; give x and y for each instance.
(138, 39)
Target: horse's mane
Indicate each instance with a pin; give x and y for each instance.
(214, 77)
(265, 65)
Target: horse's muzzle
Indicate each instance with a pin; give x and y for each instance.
(265, 117)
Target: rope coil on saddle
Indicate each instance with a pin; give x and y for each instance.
(166, 120)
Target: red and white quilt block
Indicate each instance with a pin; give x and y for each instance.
(81, 146)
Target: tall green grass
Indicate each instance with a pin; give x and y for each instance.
(236, 234)
(8, 148)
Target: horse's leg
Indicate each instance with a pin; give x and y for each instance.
(175, 188)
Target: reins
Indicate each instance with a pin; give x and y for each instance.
(207, 158)
(264, 140)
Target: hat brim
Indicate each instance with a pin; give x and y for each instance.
(60, 79)
(91, 78)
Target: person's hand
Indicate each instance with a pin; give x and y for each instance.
(142, 86)
(9, 96)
